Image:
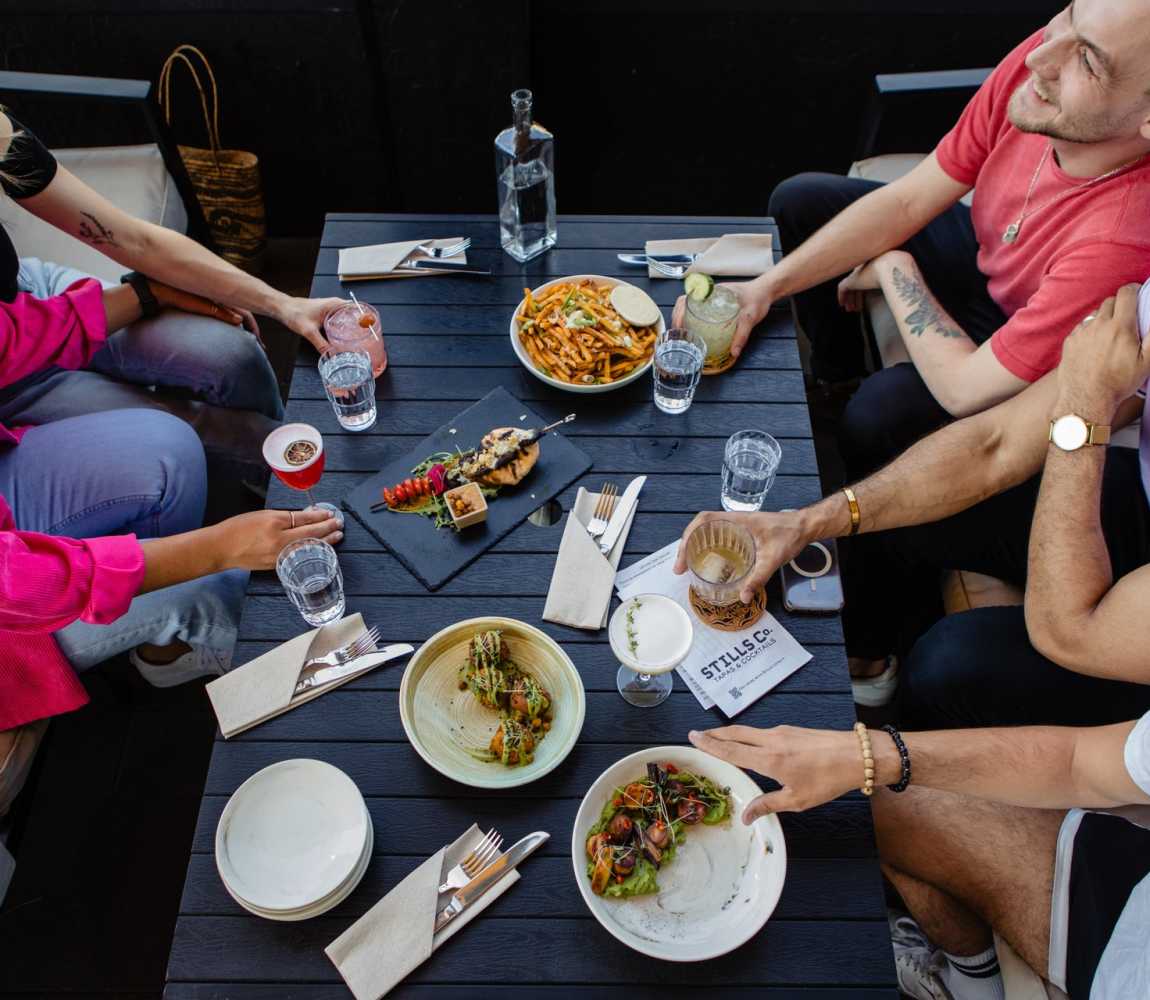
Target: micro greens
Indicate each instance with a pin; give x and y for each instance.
(632, 635)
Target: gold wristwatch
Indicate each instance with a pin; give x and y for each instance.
(1071, 432)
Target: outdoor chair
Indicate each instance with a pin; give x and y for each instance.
(149, 181)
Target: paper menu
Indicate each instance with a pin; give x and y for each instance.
(728, 669)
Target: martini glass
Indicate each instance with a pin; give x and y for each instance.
(651, 635)
(295, 454)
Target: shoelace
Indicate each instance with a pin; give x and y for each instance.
(922, 971)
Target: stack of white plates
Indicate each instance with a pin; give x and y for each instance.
(294, 840)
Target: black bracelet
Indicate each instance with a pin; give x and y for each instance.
(904, 756)
(149, 306)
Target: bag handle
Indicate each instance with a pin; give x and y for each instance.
(212, 119)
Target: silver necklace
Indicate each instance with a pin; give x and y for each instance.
(1011, 233)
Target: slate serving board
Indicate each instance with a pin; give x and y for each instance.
(433, 556)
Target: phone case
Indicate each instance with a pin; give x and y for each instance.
(811, 582)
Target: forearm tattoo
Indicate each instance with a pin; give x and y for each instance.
(925, 311)
(95, 232)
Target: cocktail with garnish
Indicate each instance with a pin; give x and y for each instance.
(651, 635)
(712, 315)
(355, 327)
(295, 454)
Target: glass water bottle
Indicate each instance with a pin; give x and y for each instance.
(525, 175)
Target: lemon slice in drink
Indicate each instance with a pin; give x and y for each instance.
(699, 286)
(634, 305)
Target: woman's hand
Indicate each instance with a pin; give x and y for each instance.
(306, 316)
(778, 539)
(254, 540)
(754, 303)
(812, 765)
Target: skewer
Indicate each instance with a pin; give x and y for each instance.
(358, 304)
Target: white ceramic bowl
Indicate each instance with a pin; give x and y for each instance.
(525, 358)
(447, 726)
(291, 835)
(720, 889)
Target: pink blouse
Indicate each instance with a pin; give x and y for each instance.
(46, 581)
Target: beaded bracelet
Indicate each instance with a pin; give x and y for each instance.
(903, 756)
(868, 759)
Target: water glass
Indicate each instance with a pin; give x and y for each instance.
(750, 461)
(309, 571)
(350, 386)
(678, 364)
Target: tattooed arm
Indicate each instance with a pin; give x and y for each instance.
(964, 377)
(170, 257)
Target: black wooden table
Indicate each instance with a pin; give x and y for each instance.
(448, 345)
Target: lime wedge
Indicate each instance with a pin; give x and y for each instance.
(699, 286)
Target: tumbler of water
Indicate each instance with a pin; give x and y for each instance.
(679, 358)
(349, 384)
(750, 461)
(309, 571)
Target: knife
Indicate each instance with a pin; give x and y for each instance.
(325, 675)
(441, 265)
(619, 517)
(641, 259)
(488, 877)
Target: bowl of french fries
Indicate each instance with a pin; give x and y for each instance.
(567, 334)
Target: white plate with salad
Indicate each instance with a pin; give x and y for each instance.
(587, 333)
(664, 861)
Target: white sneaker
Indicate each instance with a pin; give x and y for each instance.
(904, 930)
(917, 969)
(197, 662)
(873, 692)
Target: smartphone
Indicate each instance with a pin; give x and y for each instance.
(811, 580)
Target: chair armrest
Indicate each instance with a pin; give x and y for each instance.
(910, 112)
(60, 85)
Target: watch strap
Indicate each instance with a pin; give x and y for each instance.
(149, 304)
(1098, 433)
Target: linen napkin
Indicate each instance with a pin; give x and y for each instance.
(383, 259)
(263, 688)
(581, 584)
(395, 936)
(737, 255)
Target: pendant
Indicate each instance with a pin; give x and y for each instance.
(1011, 233)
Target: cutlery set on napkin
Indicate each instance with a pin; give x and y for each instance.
(407, 259)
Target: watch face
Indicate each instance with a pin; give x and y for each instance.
(1069, 432)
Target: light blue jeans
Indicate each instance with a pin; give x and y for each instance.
(121, 471)
(237, 400)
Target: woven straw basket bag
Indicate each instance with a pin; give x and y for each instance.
(226, 181)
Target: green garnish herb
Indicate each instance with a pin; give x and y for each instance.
(632, 635)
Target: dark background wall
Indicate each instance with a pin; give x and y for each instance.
(659, 106)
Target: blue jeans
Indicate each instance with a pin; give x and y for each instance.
(115, 472)
(238, 400)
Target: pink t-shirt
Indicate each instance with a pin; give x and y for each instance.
(1071, 254)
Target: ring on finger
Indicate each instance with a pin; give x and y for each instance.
(291, 514)
(1090, 318)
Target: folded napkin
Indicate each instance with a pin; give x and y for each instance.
(737, 255)
(263, 688)
(581, 584)
(383, 259)
(395, 936)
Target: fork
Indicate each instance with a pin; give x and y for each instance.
(450, 251)
(364, 643)
(668, 270)
(603, 509)
(474, 863)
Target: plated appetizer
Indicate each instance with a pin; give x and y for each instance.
(643, 823)
(574, 331)
(500, 685)
(504, 458)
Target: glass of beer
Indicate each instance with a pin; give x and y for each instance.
(295, 454)
(720, 556)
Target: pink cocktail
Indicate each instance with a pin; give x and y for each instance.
(356, 327)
